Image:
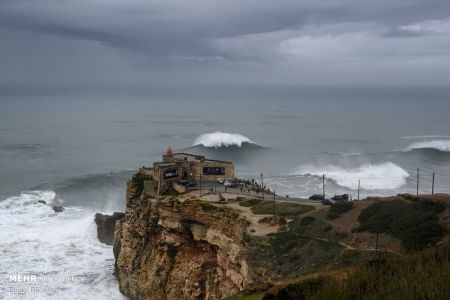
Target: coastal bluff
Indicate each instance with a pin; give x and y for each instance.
(168, 248)
(203, 244)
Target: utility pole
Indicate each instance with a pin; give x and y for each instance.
(359, 186)
(323, 186)
(200, 184)
(262, 184)
(432, 185)
(417, 182)
(273, 202)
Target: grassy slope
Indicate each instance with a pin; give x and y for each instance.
(424, 275)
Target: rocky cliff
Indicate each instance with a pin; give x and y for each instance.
(172, 249)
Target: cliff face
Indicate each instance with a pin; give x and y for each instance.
(167, 249)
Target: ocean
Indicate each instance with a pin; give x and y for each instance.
(79, 149)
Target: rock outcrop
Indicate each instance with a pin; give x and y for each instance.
(106, 226)
(168, 249)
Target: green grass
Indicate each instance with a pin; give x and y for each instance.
(283, 209)
(292, 251)
(339, 208)
(209, 207)
(415, 224)
(424, 275)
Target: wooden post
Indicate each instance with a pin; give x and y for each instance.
(432, 185)
(323, 186)
(376, 247)
(262, 185)
(200, 184)
(359, 186)
(417, 192)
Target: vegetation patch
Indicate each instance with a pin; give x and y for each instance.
(339, 208)
(283, 209)
(307, 220)
(423, 275)
(415, 224)
(209, 207)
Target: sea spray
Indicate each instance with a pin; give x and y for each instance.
(385, 175)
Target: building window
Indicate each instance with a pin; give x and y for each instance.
(213, 171)
(169, 174)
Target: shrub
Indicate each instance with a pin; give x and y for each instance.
(307, 220)
(423, 275)
(415, 224)
(339, 208)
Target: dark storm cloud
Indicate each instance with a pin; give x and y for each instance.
(257, 40)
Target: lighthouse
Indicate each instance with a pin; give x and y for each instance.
(169, 152)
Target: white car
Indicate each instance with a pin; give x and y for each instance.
(229, 183)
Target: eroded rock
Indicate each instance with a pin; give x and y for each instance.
(106, 226)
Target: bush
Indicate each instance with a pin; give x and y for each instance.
(423, 275)
(339, 208)
(415, 224)
(307, 220)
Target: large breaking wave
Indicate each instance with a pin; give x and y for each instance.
(440, 145)
(386, 175)
(222, 139)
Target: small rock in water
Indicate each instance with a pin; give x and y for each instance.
(58, 208)
(42, 201)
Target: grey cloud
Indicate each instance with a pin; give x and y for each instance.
(190, 40)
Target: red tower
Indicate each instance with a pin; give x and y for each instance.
(169, 152)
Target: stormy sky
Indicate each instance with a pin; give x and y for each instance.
(202, 42)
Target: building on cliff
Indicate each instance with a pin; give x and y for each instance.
(177, 169)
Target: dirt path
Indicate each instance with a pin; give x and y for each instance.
(255, 228)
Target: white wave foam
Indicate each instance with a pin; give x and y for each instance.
(441, 145)
(385, 175)
(219, 139)
(37, 241)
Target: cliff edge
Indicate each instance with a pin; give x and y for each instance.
(180, 249)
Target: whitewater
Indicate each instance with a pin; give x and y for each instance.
(218, 139)
(440, 145)
(36, 241)
(385, 175)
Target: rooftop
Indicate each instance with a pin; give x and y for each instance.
(193, 158)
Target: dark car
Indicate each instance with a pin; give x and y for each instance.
(343, 197)
(317, 197)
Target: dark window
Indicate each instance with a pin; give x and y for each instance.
(169, 174)
(213, 171)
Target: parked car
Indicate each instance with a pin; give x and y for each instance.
(191, 185)
(229, 183)
(317, 197)
(343, 197)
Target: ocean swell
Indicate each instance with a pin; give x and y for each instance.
(440, 145)
(385, 175)
(222, 139)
